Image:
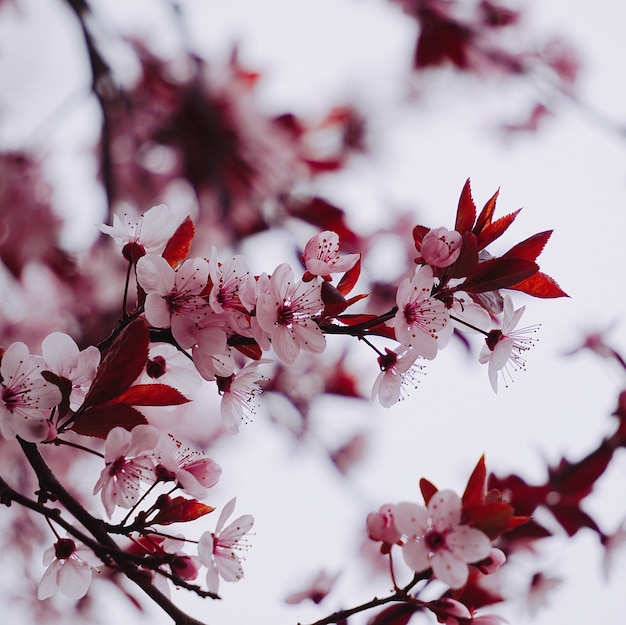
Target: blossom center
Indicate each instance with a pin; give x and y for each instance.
(435, 540)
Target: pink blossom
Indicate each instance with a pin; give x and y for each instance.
(130, 458)
(190, 468)
(441, 247)
(218, 550)
(286, 313)
(316, 590)
(63, 358)
(321, 255)
(148, 235)
(239, 391)
(492, 562)
(173, 297)
(381, 525)
(420, 317)
(503, 348)
(70, 569)
(26, 397)
(436, 538)
(397, 369)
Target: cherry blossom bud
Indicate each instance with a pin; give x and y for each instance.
(441, 247)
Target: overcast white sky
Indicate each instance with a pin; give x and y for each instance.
(570, 177)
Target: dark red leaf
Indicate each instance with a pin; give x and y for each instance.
(122, 364)
(540, 285)
(428, 489)
(399, 614)
(491, 518)
(467, 261)
(572, 519)
(529, 248)
(177, 248)
(496, 229)
(419, 232)
(65, 386)
(334, 302)
(476, 485)
(349, 279)
(151, 395)
(498, 273)
(99, 420)
(486, 214)
(251, 350)
(466, 211)
(356, 298)
(180, 510)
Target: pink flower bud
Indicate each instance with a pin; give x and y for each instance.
(441, 247)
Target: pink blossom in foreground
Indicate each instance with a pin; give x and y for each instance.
(173, 296)
(441, 247)
(316, 590)
(148, 235)
(63, 358)
(26, 398)
(503, 348)
(130, 458)
(70, 570)
(239, 391)
(420, 317)
(286, 314)
(321, 255)
(435, 538)
(218, 550)
(397, 369)
(228, 278)
(190, 468)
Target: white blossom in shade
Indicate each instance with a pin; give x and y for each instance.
(381, 525)
(63, 358)
(239, 393)
(173, 296)
(420, 317)
(70, 569)
(168, 365)
(435, 538)
(285, 313)
(150, 232)
(218, 550)
(26, 398)
(476, 318)
(130, 458)
(194, 472)
(397, 370)
(321, 255)
(612, 544)
(504, 349)
(441, 247)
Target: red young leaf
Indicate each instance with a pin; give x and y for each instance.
(486, 214)
(466, 263)
(476, 485)
(491, 518)
(151, 395)
(540, 285)
(419, 232)
(99, 420)
(466, 211)
(498, 273)
(496, 229)
(251, 350)
(180, 510)
(428, 489)
(177, 248)
(334, 302)
(572, 519)
(349, 279)
(369, 327)
(529, 248)
(122, 364)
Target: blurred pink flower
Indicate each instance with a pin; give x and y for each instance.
(316, 590)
